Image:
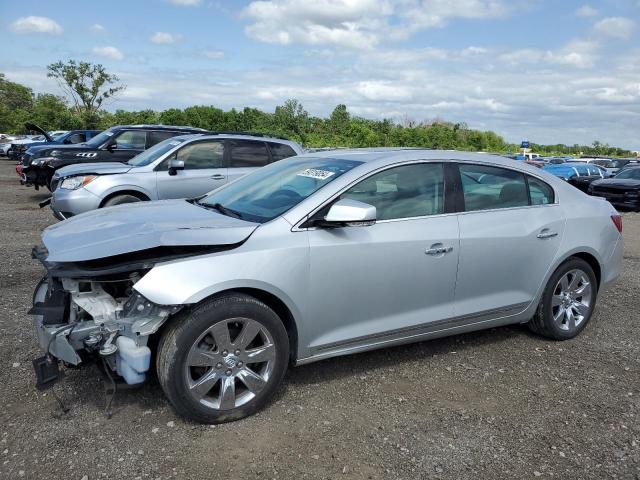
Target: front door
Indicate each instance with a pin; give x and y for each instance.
(393, 279)
(510, 233)
(204, 170)
(124, 146)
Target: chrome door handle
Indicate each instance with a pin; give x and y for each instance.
(547, 234)
(438, 250)
(217, 176)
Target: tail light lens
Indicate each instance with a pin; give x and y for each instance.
(617, 221)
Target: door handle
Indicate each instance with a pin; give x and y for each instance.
(217, 176)
(441, 250)
(546, 233)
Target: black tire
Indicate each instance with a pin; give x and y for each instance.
(542, 322)
(120, 199)
(179, 337)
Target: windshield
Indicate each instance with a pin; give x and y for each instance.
(155, 152)
(276, 188)
(629, 173)
(100, 138)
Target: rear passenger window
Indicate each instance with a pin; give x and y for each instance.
(488, 188)
(541, 193)
(248, 153)
(403, 192)
(280, 151)
(158, 136)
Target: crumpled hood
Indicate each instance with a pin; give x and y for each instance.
(109, 168)
(139, 226)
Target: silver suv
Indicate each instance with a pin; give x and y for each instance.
(180, 167)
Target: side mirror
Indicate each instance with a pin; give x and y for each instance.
(175, 165)
(66, 141)
(349, 213)
(111, 147)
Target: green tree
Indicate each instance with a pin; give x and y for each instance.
(88, 85)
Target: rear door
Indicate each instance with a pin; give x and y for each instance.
(204, 170)
(510, 232)
(245, 156)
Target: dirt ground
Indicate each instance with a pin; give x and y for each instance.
(502, 403)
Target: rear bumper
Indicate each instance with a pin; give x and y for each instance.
(613, 266)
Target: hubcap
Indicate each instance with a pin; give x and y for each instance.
(572, 299)
(230, 363)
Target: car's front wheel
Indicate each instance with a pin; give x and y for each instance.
(568, 301)
(224, 359)
(120, 199)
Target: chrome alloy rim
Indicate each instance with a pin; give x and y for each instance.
(572, 300)
(230, 363)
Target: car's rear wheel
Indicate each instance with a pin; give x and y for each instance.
(568, 301)
(223, 360)
(120, 199)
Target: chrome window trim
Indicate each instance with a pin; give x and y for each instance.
(297, 228)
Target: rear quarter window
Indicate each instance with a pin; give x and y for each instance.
(280, 151)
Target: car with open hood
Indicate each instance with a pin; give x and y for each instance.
(622, 190)
(60, 137)
(312, 257)
(117, 144)
(185, 166)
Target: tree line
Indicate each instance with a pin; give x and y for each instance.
(91, 85)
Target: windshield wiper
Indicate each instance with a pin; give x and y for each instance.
(222, 209)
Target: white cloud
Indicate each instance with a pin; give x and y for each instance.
(186, 3)
(97, 28)
(164, 38)
(108, 52)
(358, 24)
(213, 54)
(616, 27)
(33, 24)
(586, 11)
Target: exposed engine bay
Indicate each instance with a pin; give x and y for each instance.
(92, 310)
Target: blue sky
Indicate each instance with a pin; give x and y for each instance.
(553, 71)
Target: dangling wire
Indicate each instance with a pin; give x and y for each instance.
(107, 410)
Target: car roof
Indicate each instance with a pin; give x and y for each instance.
(160, 127)
(240, 136)
(393, 155)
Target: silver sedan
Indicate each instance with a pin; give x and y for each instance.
(317, 256)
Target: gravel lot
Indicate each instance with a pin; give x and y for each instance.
(496, 404)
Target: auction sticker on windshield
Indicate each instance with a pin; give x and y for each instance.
(315, 173)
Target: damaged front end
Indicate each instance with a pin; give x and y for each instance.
(89, 310)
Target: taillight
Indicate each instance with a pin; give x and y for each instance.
(617, 221)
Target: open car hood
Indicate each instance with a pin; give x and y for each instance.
(141, 226)
(109, 168)
(34, 127)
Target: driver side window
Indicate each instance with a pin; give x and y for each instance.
(202, 155)
(403, 192)
(131, 139)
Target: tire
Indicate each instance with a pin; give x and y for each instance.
(120, 199)
(553, 318)
(200, 366)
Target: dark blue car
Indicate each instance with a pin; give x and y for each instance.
(69, 138)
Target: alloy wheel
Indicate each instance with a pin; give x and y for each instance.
(572, 300)
(230, 363)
